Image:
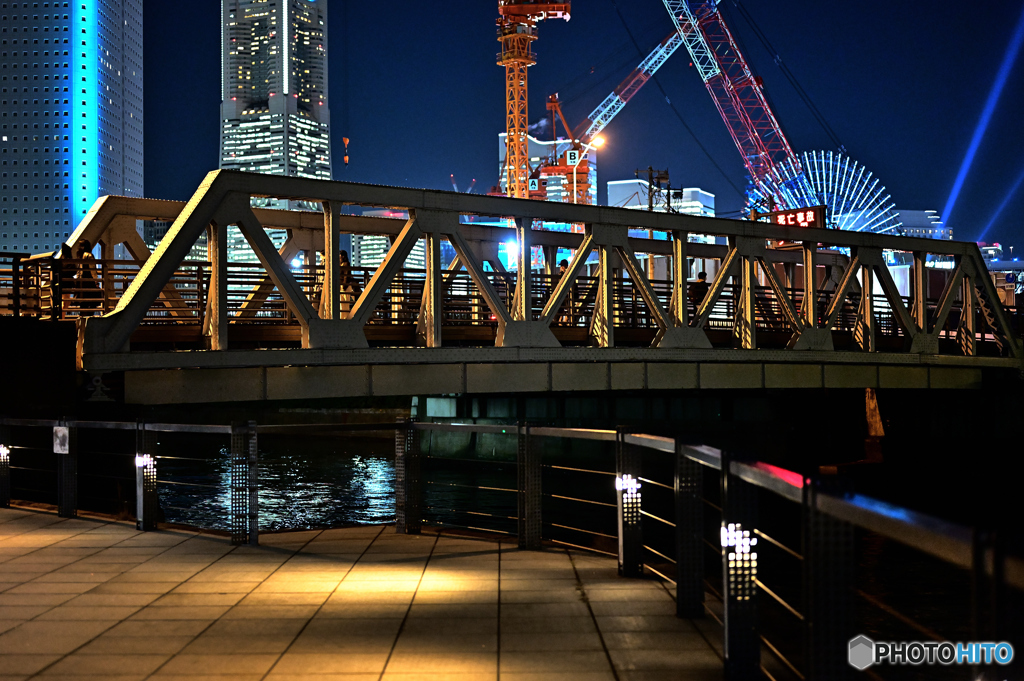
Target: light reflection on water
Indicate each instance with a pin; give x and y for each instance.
(300, 487)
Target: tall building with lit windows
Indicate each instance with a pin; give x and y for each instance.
(274, 113)
(71, 115)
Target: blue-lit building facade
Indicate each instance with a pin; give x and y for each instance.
(71, 115)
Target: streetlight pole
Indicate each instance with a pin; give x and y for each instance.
(594, 144)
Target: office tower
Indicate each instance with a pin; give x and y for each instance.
(71, 81)
(274, 113)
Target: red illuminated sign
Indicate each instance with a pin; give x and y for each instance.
(797, 217)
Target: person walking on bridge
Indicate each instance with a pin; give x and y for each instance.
(699, 291)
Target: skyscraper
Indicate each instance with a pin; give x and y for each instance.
(274, 113)
(71, 110)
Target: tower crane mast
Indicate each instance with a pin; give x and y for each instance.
(517, 29)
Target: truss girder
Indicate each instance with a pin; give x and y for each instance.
(224, 199)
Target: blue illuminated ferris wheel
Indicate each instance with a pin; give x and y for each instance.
(854, 198)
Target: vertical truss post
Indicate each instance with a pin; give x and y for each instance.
(5, 467)
(810, 302)
(145, 479)
(920, 288)
(216, 323)
(602, 324)
(529, 473)
(65, 446)
(428, 326)
(408, 495)
(745, 324)
(966, 329)
(739, 572)
(331, 293)
(244, 484)
(865, 333)
(689, 487)
(680, 273)
(628, 501)
(522, 302)
(828, 580)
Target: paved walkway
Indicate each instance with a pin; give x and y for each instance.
(92, 599)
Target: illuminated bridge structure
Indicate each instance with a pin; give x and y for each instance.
(183, 329)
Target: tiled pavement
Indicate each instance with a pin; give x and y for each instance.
(88, 599)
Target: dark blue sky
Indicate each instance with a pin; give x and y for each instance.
(416, 89)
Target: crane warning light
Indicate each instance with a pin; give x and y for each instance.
(813, 216)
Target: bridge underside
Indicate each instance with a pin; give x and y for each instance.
(293, 375)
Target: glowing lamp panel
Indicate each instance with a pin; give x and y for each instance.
(630, 489)
(741, 562)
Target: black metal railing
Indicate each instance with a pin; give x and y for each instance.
(791, 566)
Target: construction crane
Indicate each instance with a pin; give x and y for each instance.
(517, 29)
(585, 133)
(738, 94)
(779, 178)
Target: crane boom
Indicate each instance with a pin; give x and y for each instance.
(600, 117)
(738, 94)
(688, 29)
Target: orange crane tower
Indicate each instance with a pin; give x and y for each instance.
(517, 29)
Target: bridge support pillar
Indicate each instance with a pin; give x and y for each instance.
(145, 479)
(5, 467)
(529, 507)
(739, 572)
(829, 563)
(245, 515)
(65, 446)
(408, 492)
(689, 485)
(627, 494)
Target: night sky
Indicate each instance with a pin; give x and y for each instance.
(416, 89)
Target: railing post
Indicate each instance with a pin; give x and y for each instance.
(244, 484)
(65, 446)
(16, 285)
(627, 496)
(529, 470)
(689, 486)
(5, 467)
(145, 479)
(408, 495)
(828, 580)
(739, 572)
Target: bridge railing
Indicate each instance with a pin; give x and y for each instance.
(68, 289)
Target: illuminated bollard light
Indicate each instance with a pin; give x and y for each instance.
(145, 492)
(739, 574)
(5, 476)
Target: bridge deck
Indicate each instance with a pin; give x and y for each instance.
(97, 599)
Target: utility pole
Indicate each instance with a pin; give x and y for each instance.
(654, 180)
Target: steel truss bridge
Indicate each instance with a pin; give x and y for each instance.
(786, 308)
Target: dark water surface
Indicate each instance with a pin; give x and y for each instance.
(304, 483)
